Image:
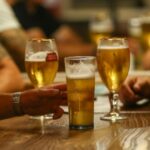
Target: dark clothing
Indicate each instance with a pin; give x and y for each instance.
(40, 18)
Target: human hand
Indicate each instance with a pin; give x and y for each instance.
(44, 100)
(134, 89)
(127, 93)
(142, 86)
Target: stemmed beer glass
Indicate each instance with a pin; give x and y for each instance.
(113, 60)
(41, 62)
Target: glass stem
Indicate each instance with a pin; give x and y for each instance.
(114, 99)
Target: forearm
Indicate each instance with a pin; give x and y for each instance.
(14, 40)
(10, 77)
(6, 106)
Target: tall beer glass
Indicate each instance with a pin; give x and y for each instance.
(113, 60)
(80, 74)
(41, 61)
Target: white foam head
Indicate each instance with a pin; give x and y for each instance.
(107, 47)
(80, 76)
(39, 56)
(80, 70)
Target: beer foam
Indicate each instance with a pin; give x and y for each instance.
(39, 56)
(80, 70)
(79, 76)
(112, 47)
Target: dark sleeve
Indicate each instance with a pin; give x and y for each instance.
(49, 23)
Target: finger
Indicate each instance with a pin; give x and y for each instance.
(48, 92)
(137, 87)
(64, 102)
(127, 95)
(58, 113)
(63, 94)
(60, 86)
(131, 81)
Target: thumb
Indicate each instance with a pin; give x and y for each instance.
(137, 86)
(58, 113)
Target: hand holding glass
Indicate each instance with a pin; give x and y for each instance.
(41, 61)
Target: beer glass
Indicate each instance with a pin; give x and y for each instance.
(80, 74)
(145, 36)
(100, 26)
(41, 61)
(113, 60)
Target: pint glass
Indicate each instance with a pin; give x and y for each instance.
(80, 74)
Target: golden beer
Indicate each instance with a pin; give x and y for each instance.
(81, 101)
(145, 37)
(113, 65)
(41, 73)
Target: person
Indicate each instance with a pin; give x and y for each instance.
(134, 89)
(12, 36)
(71, 42)
(35, 18)
(9, 73)
(11, 46)
(33, 102)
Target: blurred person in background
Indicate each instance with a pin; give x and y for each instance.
(139, 32)
(35, 18)
(12, 40)
(10, 76)
(135, 88)
(70, 41)
(12, 36)
(73, 42)
(12, 45)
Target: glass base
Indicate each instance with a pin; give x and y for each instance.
(81, 127)
(36, 117)
(113, 117)
(47, 116)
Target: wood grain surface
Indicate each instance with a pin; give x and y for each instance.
(23, 133)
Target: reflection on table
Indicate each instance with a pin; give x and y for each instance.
(25, 133)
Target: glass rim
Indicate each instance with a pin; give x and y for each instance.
(41, 39)
(80, 57)
(113, 38)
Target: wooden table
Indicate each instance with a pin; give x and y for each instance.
(24, 133)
